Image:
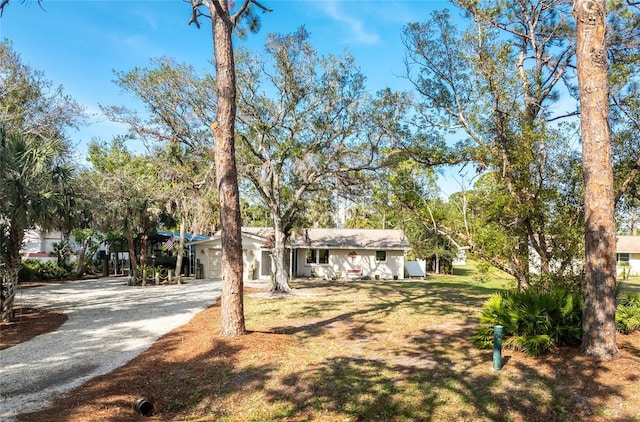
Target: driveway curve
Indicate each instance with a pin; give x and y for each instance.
(109, 323)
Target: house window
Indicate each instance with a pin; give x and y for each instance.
(381, 256)
(622, 257)
(311, 256)
(317, 256)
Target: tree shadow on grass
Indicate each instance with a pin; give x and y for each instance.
(631, 285)
(383, 299)
(439, 368)
(440, 376)
(465, 272)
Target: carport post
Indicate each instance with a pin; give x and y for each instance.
(497, 347)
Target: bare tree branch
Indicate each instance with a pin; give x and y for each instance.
(4, 3)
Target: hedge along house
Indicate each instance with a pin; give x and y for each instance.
(327, 253)
(628, 254)
(351, 253)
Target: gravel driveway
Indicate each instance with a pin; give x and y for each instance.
(109, 324)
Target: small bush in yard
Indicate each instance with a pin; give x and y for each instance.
(32, 270)
(628, 313)
(533, 321)
(27, 271)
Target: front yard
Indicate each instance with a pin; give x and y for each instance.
(358, 351)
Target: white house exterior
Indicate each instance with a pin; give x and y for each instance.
(38, 244)
(340, 253)
(327, 253)
(256, 256)
(627, 257)
(628, 252)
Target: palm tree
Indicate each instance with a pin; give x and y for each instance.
(31, 169)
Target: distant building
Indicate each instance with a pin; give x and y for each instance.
(39, 244)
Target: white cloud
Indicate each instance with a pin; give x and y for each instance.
(145, 16)
(357, 32)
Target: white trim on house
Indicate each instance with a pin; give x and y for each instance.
(348, 263)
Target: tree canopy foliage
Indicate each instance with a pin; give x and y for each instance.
(130, 194)
(307, 125)
(178, 105)
(494, 86)
(35, 166)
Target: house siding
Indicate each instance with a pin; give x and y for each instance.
(39, 244)
(360, 256)
(634, 265)
(629, 245)
(341, 261)
(209, 255)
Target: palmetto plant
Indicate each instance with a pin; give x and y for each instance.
(628, 312)
(533, 321)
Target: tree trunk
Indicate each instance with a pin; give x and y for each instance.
(523, 262)
(280, 280)
(9, 274)
(144, 240)
(634, 221)
(116, 264)
(81, 265)
(180, 247)
(598, 324)
(522, 280)
(62, 256)
(133, 263)
(232, 304)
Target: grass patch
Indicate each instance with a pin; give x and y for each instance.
(631, 285)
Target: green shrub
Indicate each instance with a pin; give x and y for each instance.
(483, 269)
(628, 312)
(533, 321)
(34, 270)
(28, 271)
(550, 282)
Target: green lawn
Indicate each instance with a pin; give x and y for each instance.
(397, 351)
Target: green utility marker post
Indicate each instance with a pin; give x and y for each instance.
(497, 347)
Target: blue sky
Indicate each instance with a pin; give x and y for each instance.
(79, 43)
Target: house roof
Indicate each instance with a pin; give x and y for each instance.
(332, 238)
(263, 232)
(628, 244)
(349, 239)
(252, 232)
(187, 236)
